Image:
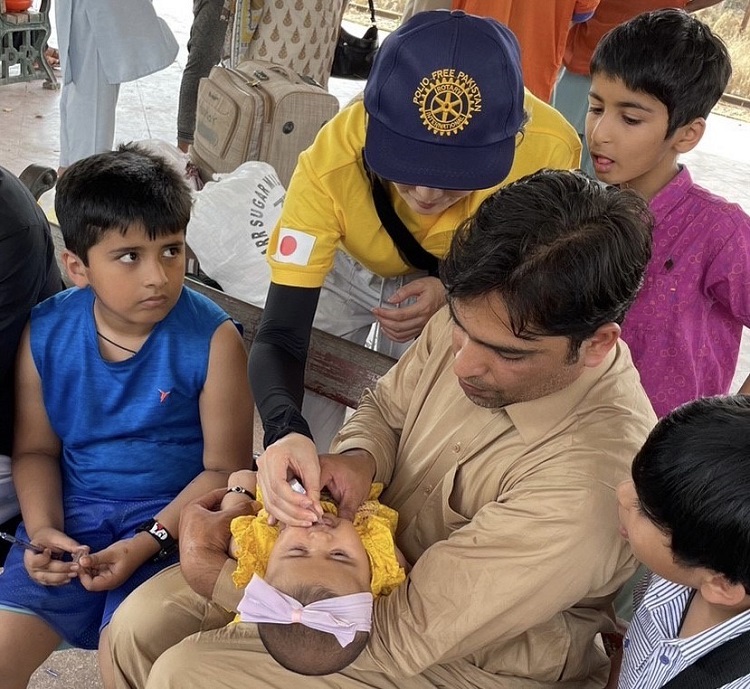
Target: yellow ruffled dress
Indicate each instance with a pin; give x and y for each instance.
(374, 522)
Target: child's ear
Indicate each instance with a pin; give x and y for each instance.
(75, 268)
(686, 138)
(718, 590)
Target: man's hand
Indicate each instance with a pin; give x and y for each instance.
(109, 568)
(292, 455)
(348, 477)
(204, 539)
(404, 324)
(48, 568)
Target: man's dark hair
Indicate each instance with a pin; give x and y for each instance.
(116, 190)
(308, 651)
(692, 477)
(565, 253)
(670, 55)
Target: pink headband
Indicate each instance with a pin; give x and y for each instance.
(342, 616)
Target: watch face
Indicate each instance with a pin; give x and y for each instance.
(159, 531)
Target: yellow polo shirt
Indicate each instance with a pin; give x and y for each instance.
(329, 203)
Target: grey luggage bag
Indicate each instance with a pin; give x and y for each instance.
(258, 111)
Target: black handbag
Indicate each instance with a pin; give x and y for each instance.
(353, 57)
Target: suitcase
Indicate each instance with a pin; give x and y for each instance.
(258, 111)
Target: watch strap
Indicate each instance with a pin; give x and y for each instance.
(155, 529)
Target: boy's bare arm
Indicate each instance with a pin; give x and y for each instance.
(36, 450)
(36, 475)
(745, 389)
(226, 409)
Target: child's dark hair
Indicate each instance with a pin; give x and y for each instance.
(692, 477)
(670, 55)
(116, 190)
(308, 651)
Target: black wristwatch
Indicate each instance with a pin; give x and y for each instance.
(160, 534)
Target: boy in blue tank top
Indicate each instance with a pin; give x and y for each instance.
(132, 401)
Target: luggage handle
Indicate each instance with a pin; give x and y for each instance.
(260, 76)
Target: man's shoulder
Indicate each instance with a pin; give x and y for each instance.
(604, 410)
(620, 384)
(192, 299)
(438, 329)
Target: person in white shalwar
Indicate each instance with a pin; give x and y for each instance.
(103, 43)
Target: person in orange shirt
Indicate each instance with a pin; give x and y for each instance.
(541, 27)
(572, 89)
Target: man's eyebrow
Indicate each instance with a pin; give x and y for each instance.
(500, 349)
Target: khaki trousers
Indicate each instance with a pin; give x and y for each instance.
(166, 636)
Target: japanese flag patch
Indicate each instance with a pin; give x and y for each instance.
(294, 247)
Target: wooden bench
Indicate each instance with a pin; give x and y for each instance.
(337, 369)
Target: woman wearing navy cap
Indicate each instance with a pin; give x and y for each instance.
(435, 135)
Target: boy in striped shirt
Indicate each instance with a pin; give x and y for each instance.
(686, 514)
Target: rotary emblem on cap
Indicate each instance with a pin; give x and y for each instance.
(447, 100)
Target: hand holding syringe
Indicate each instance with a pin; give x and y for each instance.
(83, 550)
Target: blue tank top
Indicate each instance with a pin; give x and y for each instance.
(130, 430)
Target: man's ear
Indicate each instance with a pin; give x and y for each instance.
(686, 138)
(75, 268)
(716, 589)
(596, 347)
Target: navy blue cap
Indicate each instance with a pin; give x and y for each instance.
(445, 102)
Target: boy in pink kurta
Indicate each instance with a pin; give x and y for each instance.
(685, 326)
(646, 107)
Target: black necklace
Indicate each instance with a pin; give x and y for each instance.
(119, 346)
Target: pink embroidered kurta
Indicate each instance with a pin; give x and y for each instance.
(685, 326)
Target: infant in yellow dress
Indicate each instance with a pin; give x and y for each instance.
(311, 589)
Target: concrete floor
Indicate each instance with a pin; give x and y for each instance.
(29, 124)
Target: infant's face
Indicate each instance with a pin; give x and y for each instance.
(329, 553)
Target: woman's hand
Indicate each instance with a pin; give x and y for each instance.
(293, 455)
(405, 323)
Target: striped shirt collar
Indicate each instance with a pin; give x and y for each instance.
(653, 652)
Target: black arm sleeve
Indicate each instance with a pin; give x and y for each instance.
(276, 366)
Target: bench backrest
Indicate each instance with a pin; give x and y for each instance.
(336, 369)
